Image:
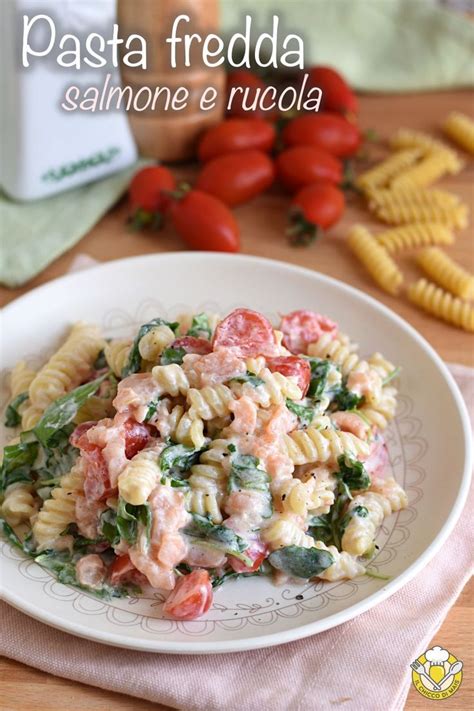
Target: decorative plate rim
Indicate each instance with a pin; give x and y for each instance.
(281, 637)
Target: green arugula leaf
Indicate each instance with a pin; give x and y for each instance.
(172, 355)
(319, 376)
(12, 416)
(178, 458)
(249, 377)
(347, 400)
(129, 518)
(301, 562)
(200, 327)
(152, 407)
(58, 457)
(246, 474)
(304, 414)
(352, 472)
(63, 410)
(134, 359)
(391, 376)
(218, 536)
(218, 580)
(18, 461)
(320, 528)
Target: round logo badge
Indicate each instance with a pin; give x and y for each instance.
(436, 674)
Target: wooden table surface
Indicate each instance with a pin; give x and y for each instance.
(262, 225)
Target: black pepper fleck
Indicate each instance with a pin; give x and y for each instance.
(299, 597)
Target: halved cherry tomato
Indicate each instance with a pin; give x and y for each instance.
(148, 195)
(191, 597)
(292, 366)
(136, 437)
(303, 327)
(247, 80)
(191, 344)
(122, 569)
(204, 222)
(302, 165)
(246, 331)
(257, 552)
(236, 135)
(337, 94)
(237, 177)
(316, 206)
(329, 131)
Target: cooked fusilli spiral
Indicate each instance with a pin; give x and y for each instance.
(30, 417)
(460, 128)
(392, 491)
(171, 379)
(285, 530)
(274, 390)
(209, 402)
(422, 234)
(451, 276)
(345, 565)
(208, 487)
(186, 428)
(68, 367)
(366, 512)
(140, 476)
(406, 138)
(19, 503)
(381, 365)
(300, 497)
(154, 342)
(116, 354)
(60, 510)
(381, 412)
(442, 304)
(382, 173)
(339, 350)
(377, 261)
(21, 378)
(313, 445)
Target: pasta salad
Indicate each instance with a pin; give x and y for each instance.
(198, 451)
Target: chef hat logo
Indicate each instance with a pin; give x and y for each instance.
(437, 655)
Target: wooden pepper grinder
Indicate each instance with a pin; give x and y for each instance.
(171, 135)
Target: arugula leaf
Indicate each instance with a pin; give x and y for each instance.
(58, 457)
(7, 532)
(246, 474)
(347, 400)
(305, 414)
(360, 511)
(18, 461)
(200, 327)
(218, 536)
(352, 472)
(108, 527)
(101, 361)
(175, 482)
(320, 528)
(218, 580)
(178, 457)
(249, 377)
(134, 359)
(172, 355)
(128, 519)
(152, 407)
(319, 376)
(12, 416)
(301, 562)
(63, 410)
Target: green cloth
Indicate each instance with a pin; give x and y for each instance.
(33, 234)
(379, 45)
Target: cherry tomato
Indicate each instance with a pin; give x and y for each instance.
(236, 135)
(136, 437)
(329, 131)
(303, 327)
(257, 552)
(337, 94)
(190, 344)
(204, 222)
(120, 569)
(302, 165)
(147, 198)
(248, 332)
(249, 81)
(318, 205)
(191, 598)
(237, 177)
(292, 366)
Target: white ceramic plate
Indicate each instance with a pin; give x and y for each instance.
(429, 446)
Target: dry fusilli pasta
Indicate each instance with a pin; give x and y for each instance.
(406, 138)
(387, 169)
(377, 261)
(442, 304)
(422, 234)
(451, 276)
(460, 128)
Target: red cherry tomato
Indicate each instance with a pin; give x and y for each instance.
(251, 84)
(329, 131)
(204, 222)
(236, 135)
(120, 569)
(292, 366)
(146, 189)
(136, 437)
(237, 177)
(257, 552)
(191, 598)
(247, 331)
(303, 327)
(337, 94)
(190, 344)
(302, 165)
(318, 205)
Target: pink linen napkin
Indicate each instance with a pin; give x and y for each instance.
(362, 665)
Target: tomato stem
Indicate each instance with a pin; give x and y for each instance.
(301, 231)
(181, 190)
(144, 219)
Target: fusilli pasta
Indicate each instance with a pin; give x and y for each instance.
(380, 265)
(19, 503)
(460, 128)
(451, 276)
(422, 234)
(442, 304)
